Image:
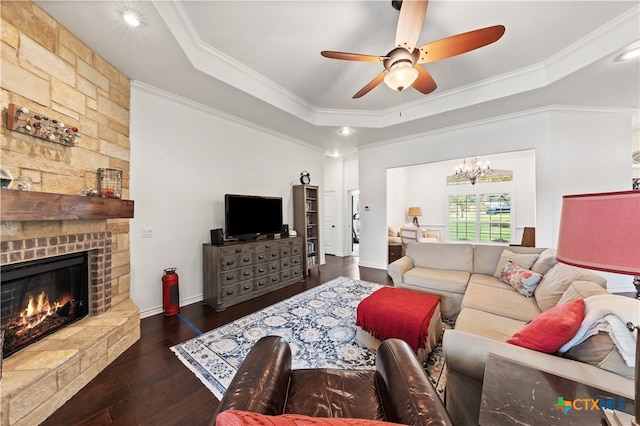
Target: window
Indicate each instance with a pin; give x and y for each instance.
(484, 218)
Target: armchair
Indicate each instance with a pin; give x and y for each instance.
(398, 390)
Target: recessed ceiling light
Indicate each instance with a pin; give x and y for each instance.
(630, 52)
(345, 131)
(131, 17)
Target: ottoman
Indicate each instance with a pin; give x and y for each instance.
(399, 313)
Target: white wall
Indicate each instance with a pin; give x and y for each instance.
(184, 158)
(577, 151)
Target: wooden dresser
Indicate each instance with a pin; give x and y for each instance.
(239, 271)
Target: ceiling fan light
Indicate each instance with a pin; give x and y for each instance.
(401, 75)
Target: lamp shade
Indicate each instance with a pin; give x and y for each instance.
(414, 211)
(601, 232)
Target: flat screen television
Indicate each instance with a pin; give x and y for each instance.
(247, 217)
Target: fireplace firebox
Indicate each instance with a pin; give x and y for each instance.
(41, 296)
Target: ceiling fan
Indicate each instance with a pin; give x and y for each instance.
(401, 65)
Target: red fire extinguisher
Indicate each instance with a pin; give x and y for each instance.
(170, 294)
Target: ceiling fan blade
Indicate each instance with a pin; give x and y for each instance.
(424, 83)
(373, 83)
(460, 43)
(410, 22)
(352, 56)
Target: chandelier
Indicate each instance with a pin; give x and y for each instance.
(472, 170)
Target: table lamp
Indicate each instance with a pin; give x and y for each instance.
(415, 212)
(602, 232)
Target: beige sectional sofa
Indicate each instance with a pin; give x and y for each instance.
(489, 311)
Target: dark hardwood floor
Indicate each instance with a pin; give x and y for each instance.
(148, 385)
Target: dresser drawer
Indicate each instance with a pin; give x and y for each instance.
(260, 256)
(245, 259)
(273, 279)
(285, 263)
(228, 292)
(260, 283)
(229, 277)
(239, 249)
(274, 254)
(245, 273)
(286, 275)
(261, 270)
(286, 251)
(274, 267)
(245, 287)
(228, 262)
(266, 245)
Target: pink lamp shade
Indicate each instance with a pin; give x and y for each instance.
(601, 231)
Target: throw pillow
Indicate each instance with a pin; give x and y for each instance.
(240, 418)
(521, 259)
(551, 329)
(558, 279)
(523, 280)
(546, 260)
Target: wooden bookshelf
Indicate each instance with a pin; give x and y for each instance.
(306, 223)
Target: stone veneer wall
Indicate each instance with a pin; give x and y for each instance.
(50, 71)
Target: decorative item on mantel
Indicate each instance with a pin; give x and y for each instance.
(6, 178)
(109, 182)
(23, 183)
(41, 126)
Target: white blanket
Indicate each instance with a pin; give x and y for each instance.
(610, 313)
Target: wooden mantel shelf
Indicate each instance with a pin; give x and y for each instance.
(23, 206)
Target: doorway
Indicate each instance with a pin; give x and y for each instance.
(354, 198)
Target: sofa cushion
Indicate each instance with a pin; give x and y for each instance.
(437, 279)
(486, 257)
(558, 279)
(393, 231)
(504, 300)
(551, 329)
(523, 280)
(485, 324)
(451, 257)
(599, 350)
(581, 290)
(240, 418)
(521, 259)
(545, 261)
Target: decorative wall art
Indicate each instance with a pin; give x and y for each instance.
(41, 126)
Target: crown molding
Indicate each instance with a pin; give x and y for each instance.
(470, 124)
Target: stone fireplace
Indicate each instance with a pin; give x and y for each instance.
(39, 378)
(49, 71)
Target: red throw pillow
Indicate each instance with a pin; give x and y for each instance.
(242, 418)
(551, 329)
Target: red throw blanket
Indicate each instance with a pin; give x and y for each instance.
(397, 313)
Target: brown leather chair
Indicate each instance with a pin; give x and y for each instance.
(398, 390)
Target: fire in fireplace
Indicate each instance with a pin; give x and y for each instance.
(40, 296)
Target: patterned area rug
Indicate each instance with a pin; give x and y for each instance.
(319, 325)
